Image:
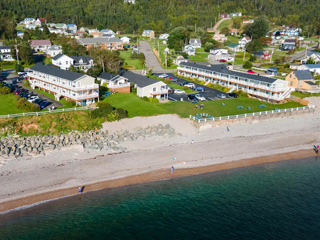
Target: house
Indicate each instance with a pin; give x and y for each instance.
(79, 62)
(51, 25)
(115, 83)
(180, 59)
(236, 14)
(31, 26)
(147, 87)
(5, 54)
(235, 47)
(148, 33)
(27, 21)
(72, 28)
(223, 15)
(164, 36)
(76, 35)
(40, 21)
(195, 42)
(62, 26)
(289, 44)
(262, 55)
(75, 86)
(40, 45)
(260, 87)
(315, 56)
(249, 21)
(54, 50)
(103, 43)
(56, 30)
(233, 31)
(301, 80)
(20, 34)
(107, 35)
(295, 66)
(244, 41)
(218, 54)
(219, 37)
(107, 31)
(96, 34)
(210, 30)
(190, 50)
(315, 68)
(130, 1)
(135, 49)
(125, 39)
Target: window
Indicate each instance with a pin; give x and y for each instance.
(154, 89)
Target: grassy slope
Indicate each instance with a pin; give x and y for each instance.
(137, 107)
(224, 24)
(8, 105)
(133, 64)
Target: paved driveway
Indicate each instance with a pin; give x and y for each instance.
(209, 93)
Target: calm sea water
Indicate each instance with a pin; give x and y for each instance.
(272, 201)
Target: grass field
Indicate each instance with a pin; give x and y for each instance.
(201, 55)
(137, 107)
(233, 39)
(8, 105)
(132, 64)
(304, 95)
(224, 24)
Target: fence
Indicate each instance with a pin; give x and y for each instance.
(255, 114)
(46, 112)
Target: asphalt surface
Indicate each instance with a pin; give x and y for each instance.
(208, 93)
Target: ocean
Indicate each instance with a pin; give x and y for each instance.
(271, 201)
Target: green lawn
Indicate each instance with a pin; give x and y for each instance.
(20, 28)
(47, 60)
(132, 64)
(8, 105)
(304, 95)
(224, 24)
(137, 107)
(233, 39)
(201, 55)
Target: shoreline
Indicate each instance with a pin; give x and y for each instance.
(152, 176)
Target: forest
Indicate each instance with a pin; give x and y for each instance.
(161, 16)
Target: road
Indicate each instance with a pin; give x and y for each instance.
(301, 55)
(215, 27)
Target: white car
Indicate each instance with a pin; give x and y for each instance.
(221, 95)
(179, 91)
(200, 97)
(163, 76)
(32, 99)
(190, 85)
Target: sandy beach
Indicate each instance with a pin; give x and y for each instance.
(59, 173)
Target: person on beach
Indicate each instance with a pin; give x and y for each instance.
(191, 141)
(316, 148)
(172, 168)
(80, 190)
(228, 129)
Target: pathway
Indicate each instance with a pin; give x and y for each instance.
(215, 27)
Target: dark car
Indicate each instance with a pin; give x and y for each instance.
(192, 97)
(234, 95)
(2, 78)
(44, 104)
(38, 101)
(199, 89)
(184, 83)
(17, 91)
(170, 90)
(27, 95)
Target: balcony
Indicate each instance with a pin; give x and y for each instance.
(119, 85)
(161, 91)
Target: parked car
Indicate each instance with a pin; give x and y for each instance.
(44, 104)
(221, 95)
(250, 71)
(223, 60)
(22, 74)
(170, 90)
(199, 89)
(2, 78)
(190, 85)
(179, 91)
(17, 91)
(163, 76)
(32, 98)
(200, 97)
(38, 101)
(234, 95)
(184, 83)
(192, 97)
(174, 80)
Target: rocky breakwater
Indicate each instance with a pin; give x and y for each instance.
(18, 146)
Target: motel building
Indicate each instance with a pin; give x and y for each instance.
(77, 87)
(261, 87)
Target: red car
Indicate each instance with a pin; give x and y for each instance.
(250, 71)
(223, 60)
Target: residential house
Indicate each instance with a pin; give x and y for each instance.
(233, 31)
(1, 43)
(76, 35)
(28, 21)
(5, 54)
(92, 31)
(62, 26)
(148, 33)
(40, 45)
(289, 44)
(107, 31)
(108, 35)
(249, 21)
(180, 59)
(54, 50)
(103, 43)
(223, 15)
(195, 42)
(190, 50)
(244, 41)
(164, 36)
(236, 14)
(315, 56)
(135, 49)
(56, 30)
(295, 66)
(314, 68)
(20, 34)
(51, 25)
(96, 34)
(79, 62)
(218, 54)
(75, 86)
(31, 26)
(125, 39)
(147, 87)
(40, 21)
(130, 1)
(301, 80)
(219, 37)
(210, 30)
(235, 47)
(262, 55)
(261, 87)
(72, 28)
(115, 83)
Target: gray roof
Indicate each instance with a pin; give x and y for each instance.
(221, 68)
(86, 60)
(140, 80)
(98, 40)
(57, 56)
(106, 76)
(303, 75)
(4, 47)
(69, 75)
(308, 65)
(311, 83)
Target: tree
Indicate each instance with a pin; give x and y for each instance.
(208, 46)
(310, 61)
(259, 28)
(247, 65)
(254, 46)
(110, 61)
(225, 30)
(177, 35)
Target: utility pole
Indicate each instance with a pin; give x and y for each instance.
(244, 54)
(211, 24)
(166, 59)
(17, 52)
(271, 56)
(306, 52)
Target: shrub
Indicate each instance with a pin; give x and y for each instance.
(70, 103)
(253, 58)
(186, 88)
(4, 90)
(247, 65)
(122, 113)
(23, 104)
(1, 84)
(145, 99)
(155, 100)
(103, 110)
(225, 89)
(26, 83)
(167, 81)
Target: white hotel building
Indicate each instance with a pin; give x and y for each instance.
(78, 87)
(261, 87)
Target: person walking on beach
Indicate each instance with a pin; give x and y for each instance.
(80, 190)
(191, 141)
(172, 168)
(228, 129)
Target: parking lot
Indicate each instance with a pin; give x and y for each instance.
(208, 93)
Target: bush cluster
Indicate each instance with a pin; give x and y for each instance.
(241, 93)
(150, 99)
(4, 90)
(167, 81)
(109, 113)
(23, 104)
(70, 103)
